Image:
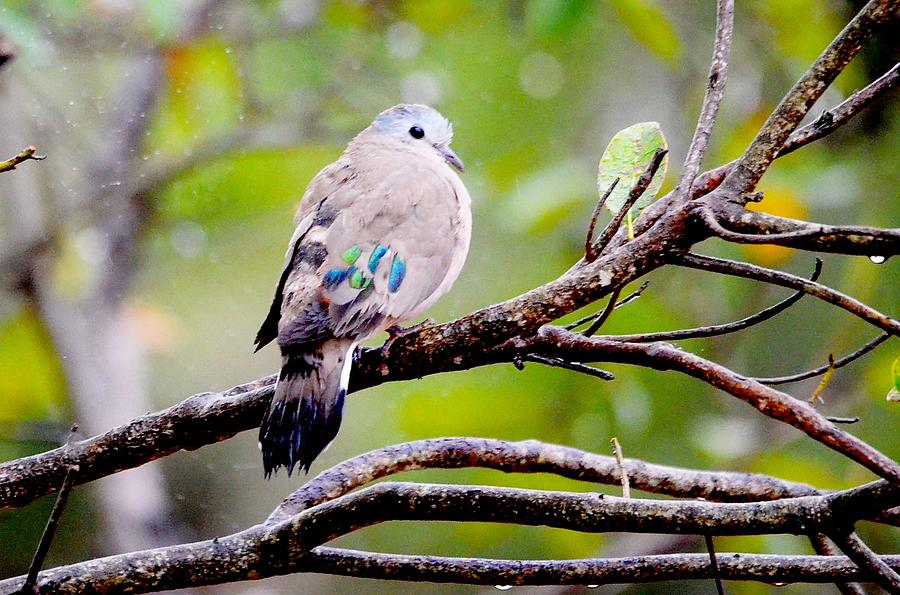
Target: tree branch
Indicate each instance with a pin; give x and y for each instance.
(795, 105)
(859, 552)
(28, 154)
(824, 125)
(263, 550)
(829, 366)
(715, 90)
(749, 271)
(720, 329)
(770, 402)
(733, 223)
(532, 456)
(823, 548)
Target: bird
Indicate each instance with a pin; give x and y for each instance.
(381, 234)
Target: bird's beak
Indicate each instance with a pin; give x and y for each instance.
(450, 157)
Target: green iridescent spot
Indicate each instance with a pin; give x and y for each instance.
(351, 255)
(358, 280)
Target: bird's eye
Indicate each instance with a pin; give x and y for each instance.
(416, 132)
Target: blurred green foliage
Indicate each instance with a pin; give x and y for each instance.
(535, 89)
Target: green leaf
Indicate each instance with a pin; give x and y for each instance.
(625, 158)
(894, 393)
(895, 370)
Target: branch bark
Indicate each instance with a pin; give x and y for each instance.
(263, 550)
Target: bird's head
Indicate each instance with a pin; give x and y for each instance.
(421, 128)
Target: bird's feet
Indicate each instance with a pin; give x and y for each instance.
(396, 332)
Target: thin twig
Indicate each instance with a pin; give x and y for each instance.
(714, 564)
(636, 192)
(573, 366)
(757, 273)
(604, 314)
(842, 420)
(591, 253)
(28, 154)
(49, 531)
(721, 329)
(620, 460)
(822, 369)
(715, 90)
(624, 301)
(856, 549)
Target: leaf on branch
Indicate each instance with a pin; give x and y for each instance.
(625, 158)
(894, 394)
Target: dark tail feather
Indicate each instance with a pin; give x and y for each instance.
(307, 408)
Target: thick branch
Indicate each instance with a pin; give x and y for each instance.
(795, 105)
(532, 456)
(732, 222)
(260, 551)
(480, 571)
(824, 125)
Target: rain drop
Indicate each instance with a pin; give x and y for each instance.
(877, 259)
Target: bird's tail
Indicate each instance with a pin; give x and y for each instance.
(306, 411)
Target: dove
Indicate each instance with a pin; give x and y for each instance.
(381, 234)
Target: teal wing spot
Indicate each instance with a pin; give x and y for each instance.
(352, 254)
(377, 254)
(398, 272)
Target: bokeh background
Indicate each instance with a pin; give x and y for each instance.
(140, 257)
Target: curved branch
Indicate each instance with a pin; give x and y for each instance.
(830, 366)
(531, 456)
(768, 401)
(749, 271)
(262, 551)
(734, 223)
(719, 329)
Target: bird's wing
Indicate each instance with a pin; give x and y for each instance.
(387, 250)
(305, 254)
